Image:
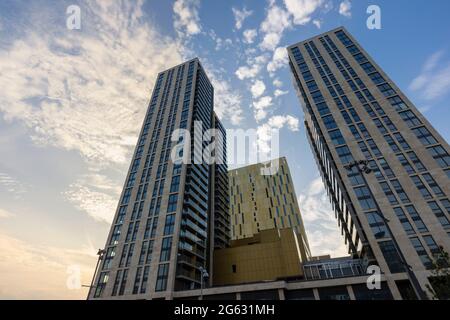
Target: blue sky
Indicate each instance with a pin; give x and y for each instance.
(72, 104)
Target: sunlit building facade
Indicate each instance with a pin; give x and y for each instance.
(164, 229)
(385, 168)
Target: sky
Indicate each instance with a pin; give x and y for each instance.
(72, 103)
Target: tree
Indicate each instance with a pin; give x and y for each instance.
(440, 279)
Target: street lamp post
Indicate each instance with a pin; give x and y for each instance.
(100, 253)
(203, 276)
(363, 167)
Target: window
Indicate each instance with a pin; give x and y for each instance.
(439, 214)
(398, 103)
(433, 185)
(370, 111)
(172, 204)
(168, 227)
(109, 256)
(440, 155)
(365, 198)
(312, 86)
(421, 252)
(161, 277)
(446, 205)
(354, 115)
(353, 49)
(416, 161)
(402, 141)
(322, 108)
(365, 150)
(377, 78)
(126, 196)
(344, 154)
(137, 280)
(431, 244)
(363, 130)
(400, 192)
(123, 282)
(404, 221)
(355, 177)
(346, 117)
(386, 90)
(405, 163)
(376, 170)
(175, 184)
(380, 126)
(117, 283)
(166, 247)
(329, 122)
(386, 168)
(378, 108)
(115, 235)
(343, 38)
(101, 284)
(374, 148)
(388, 192)
(355, 132)
(389, 124)
(391, 256)
(416, 218)
(368, 67)
(410, 118)
(422, 189)
(145, 279)
(360, 58)
(336, 137)
(377, 225)
(424, 136)
(317, 97)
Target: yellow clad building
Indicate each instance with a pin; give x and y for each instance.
(261, 201)
(268, 255)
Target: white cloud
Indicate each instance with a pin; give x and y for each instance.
(96, 195)
(223, 44)
(11, 185)
(6, 214)
(320, 224)
(227, 101)
(273, 26)
(250, 35)
(277, 83)
(186, 20)
(30, 271)
(240, 16)
(258, 88)
(434, 80)
(345, 8)
(280, 59)
(279, 92)
(317, 23)
(260, 107)
(277, 122)
(245, 72)
(86, 91)
(302, 10)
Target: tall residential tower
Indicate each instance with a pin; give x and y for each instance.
(385, 168)
(170, 215)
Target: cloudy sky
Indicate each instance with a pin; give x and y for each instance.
(72, 102)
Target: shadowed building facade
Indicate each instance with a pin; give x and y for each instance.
(170, 216)
(384, 166)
